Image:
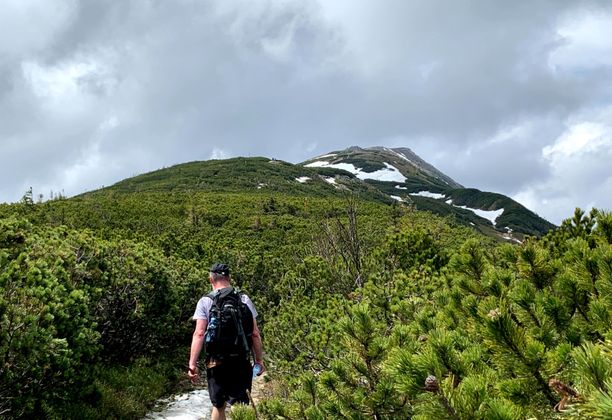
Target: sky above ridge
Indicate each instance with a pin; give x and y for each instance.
(511, 97)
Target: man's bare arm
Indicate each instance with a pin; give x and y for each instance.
(257, 346)
(197, 342)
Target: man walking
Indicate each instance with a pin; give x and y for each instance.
(224, 323)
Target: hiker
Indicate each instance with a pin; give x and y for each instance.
(226, 322)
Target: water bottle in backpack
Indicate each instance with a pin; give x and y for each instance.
(211, 330)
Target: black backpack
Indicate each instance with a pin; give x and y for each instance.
(230, 325)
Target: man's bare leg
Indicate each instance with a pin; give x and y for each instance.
(218, 413)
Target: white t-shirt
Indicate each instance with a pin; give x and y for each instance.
(204, 305)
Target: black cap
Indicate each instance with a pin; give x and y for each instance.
(220, 268)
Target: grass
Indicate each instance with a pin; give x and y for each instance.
(126, 392)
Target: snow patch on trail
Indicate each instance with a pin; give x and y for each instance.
(189, 406)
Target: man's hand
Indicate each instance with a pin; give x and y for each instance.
(194, 374)
(257, 347)
(263, 367)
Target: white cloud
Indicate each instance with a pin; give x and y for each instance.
(109, 124)
(427, 69)
(30, 26)
(579, 163)
(585, 41)
(520, 130)
(505, 161)
(280, 46)
(580, 138)
(54, 82)
(219, 154)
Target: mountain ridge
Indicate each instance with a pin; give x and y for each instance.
(374, 158)
(423, 185)
(378, 173)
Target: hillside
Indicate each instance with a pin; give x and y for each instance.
(404, 176)
(377, 174)
(375, 310)
(253, 174)
(97, 294)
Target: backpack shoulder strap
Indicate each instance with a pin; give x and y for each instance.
(219, 294)
(240, 294)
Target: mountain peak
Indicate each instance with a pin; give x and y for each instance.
(354, 149)
(369, 160)
(404, 176)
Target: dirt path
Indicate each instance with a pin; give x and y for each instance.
(257, 389)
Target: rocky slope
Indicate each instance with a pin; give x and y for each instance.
(405, 177)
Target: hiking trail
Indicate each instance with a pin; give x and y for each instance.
(193, 405)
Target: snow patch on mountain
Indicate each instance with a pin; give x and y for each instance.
(317, 164)
(510, 238)
(349, 167)
(395, 197)
(330, 180)
(490, 215)
(429, 195)
(390, 173)
(302, 179)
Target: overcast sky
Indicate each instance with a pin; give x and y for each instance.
(512, 97)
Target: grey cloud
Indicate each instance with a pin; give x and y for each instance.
(169, 82)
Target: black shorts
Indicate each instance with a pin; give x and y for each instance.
(229, 382)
